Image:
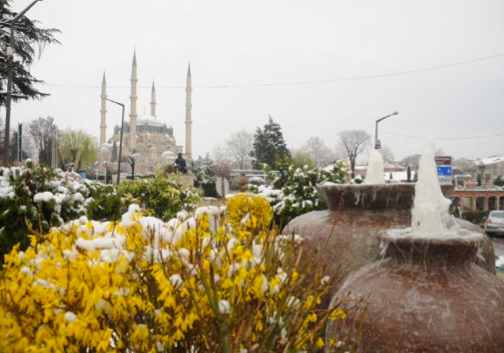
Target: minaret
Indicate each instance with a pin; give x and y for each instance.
(133, 98)
(153, 101)
(188, 121)
(103, 111)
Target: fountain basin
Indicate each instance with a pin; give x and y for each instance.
(346, 236)
(427, 295)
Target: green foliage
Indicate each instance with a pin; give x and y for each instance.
(302, 159)
(476, 217)
(499, 181)
(205, 175)
(269, 146)
(292, 191)
(160, 196)
(203, 170)
(77, 147)
(29, 42)
(40, 198)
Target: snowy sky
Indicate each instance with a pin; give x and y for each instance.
(241, 42)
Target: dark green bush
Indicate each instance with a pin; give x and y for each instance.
(34, 199)
(160, 196)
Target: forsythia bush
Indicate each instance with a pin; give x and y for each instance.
(39, 198)
(243, 204)
(160, 196)
(292, 191)
(193, 284)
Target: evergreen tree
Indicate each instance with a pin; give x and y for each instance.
(114, 152)
(28, 44)
(269, 146)
(499, 181)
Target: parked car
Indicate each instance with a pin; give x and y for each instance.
(494, 224)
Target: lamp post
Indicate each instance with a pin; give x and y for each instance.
(10, 74)
(106, 180)
(95, 166)
(120, 141)
(377, 142)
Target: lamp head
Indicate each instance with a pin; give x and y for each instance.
(395, 113)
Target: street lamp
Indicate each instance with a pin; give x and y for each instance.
(105, 164)
(10, 74)
(120, 141)
(377, 145)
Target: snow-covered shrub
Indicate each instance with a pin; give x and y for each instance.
(357, 180)
(160, 196)
(255, 180)
(292, 191)
(143, 285)
(39, 198)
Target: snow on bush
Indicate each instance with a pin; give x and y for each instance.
(40, 198)
(192, 284)
(35, 199)
(293, 191)
(160, 196)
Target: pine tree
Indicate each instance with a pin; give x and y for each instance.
(114, 152)
(269, 146)
(28, 44)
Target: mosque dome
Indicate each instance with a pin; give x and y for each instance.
(148, 120)
(150, 124)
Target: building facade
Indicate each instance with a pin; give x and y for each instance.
(145, 136)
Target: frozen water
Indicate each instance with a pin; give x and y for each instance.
(430, 214)
(375, 168)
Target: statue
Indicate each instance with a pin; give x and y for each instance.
(180, 164)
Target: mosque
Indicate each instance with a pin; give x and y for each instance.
(145, 136)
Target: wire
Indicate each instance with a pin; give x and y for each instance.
(442, 138)
(356, 78)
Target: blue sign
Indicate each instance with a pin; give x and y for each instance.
(444, 170)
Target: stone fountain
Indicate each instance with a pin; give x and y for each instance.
(346, 236)
(427, 294)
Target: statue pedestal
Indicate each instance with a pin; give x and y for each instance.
(187, 180)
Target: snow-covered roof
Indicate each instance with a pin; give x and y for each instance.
(492, 160)
(168, 154)
(149, 120)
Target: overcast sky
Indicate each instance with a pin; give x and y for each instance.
(234, 42)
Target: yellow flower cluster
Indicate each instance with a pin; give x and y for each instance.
(193, 284)
(241, 206)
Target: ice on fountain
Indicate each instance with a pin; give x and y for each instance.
(430, 214)
(375, 168)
